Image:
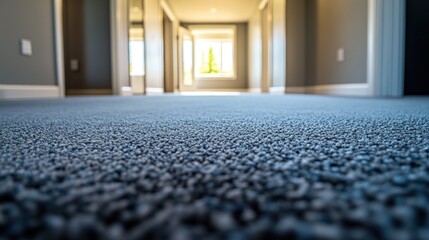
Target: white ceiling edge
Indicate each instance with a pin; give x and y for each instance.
(201, 11)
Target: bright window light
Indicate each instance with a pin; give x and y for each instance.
(136, 58)
(187, 62)
(214, 52)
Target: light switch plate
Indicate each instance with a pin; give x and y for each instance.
(340, 55)
(26, 48)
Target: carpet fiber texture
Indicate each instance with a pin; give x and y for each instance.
(230, 167)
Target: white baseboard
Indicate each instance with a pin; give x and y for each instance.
(10, 91)
(151, 90)
(355, 89)
(207, 93)
(277, 90)
(254, 90)
(240, 90)
(126, 91)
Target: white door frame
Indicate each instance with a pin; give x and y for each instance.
(59, 46)
(371, 45)
(182, 33)
(119, 46)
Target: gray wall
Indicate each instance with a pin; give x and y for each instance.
(32, 20)
(87, 38)
(333, 24)
(296, 43)
(242, 81)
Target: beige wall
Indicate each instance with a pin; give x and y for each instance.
(154, 44)
(267, 47)
(242, 80)
(255, 50)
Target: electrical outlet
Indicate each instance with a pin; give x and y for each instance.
(74, 65)
(340, 55)
(26, 49)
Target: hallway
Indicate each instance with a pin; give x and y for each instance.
(219, 167)
(203, 119)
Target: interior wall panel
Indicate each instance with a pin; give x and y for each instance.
(279, 43)
(154, 44)
(255, 50)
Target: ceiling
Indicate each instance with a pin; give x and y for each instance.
(213, 10)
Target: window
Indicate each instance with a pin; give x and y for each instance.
(136, 52)
(214, 52)
(136, 58)
(187, 62)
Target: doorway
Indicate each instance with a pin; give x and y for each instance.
(87, 47)
(186, 60)
(416, 48)
(136, 46)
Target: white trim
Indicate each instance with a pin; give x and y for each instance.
(254, 90)
(168, 11)
(241, 90)
(211, 93)
(9, 91)
(184, 34)
(355, 89)
(372, 45)
(119, 44)
(262, 4)
(151, 90)
(59, 46)
(277, 89)
(126, 91)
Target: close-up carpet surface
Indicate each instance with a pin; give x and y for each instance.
(215, 167)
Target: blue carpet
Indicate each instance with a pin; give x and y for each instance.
(231, 167)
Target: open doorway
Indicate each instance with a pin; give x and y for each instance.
(136, 46)
(416, 49)
(87, 47)
(186, 60)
